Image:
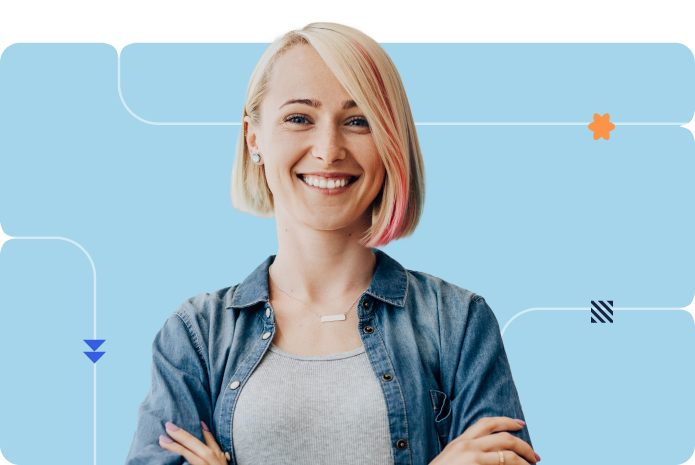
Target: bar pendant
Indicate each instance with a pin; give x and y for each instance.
(332, 318)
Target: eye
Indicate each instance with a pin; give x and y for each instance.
(294, 117)
(359, 119)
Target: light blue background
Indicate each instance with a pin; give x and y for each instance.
(526, 216)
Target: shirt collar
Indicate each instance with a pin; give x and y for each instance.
(389, 283)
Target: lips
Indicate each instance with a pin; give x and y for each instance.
(327, 181)
(326, 174)
(327, 186)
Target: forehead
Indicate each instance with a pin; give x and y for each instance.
(302, 73)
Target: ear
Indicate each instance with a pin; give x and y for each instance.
(252, 137)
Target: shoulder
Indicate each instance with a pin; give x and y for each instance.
(205, 306)
(456, 307)
(426, 288)
(193, 324)
(202, 312)
(462, 315)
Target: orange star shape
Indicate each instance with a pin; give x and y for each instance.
(601, 126)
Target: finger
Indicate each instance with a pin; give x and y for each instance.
(488, 425)
(509, 444)
(189, 441)
(179, 449)
(210, 438)
(510, 458)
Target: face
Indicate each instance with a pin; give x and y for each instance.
(330, 146)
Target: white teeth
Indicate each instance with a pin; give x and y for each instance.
(324, 183)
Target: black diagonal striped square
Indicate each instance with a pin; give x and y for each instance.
(599, 311)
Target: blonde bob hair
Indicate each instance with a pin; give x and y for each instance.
(369, 76)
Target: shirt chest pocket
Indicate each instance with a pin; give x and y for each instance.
(442, 416)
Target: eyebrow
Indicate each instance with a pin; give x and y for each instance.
(347, 104)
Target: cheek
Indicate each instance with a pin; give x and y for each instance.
(278, 174)
(368, 156)
(271, 178)
(379, 169)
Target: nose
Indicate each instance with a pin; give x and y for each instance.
(329, 145)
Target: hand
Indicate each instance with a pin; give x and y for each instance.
(194, 451)
(478, 446)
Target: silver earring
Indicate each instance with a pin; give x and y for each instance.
(256, 157)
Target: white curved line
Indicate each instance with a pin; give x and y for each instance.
(94, 271)
(120, 94)
(588, 308)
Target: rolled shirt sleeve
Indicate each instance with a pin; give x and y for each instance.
(179, 393)
(483, 383)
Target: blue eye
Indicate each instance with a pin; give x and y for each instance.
(366, 124)
(289, 118)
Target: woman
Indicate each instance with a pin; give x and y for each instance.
(330, 351)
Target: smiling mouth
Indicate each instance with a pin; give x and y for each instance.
(327, 183)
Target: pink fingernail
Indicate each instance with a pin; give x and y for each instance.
(165, 439)
(521, 422)
(172, 426)
(538, 457)
(205, 427)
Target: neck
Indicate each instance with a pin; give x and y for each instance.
(323, 267)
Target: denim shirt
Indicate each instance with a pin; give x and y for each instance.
(436, 350)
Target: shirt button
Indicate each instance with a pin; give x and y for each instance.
(234, 385)
(368, 329)
(226, 454)
(267, 312)
(365, 304)
(266, 335)
(401, 444)
(387, 377)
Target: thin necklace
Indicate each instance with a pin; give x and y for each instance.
(324, 318)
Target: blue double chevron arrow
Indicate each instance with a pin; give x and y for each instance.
(94, 344)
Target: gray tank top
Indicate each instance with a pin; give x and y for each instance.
(312, 409)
